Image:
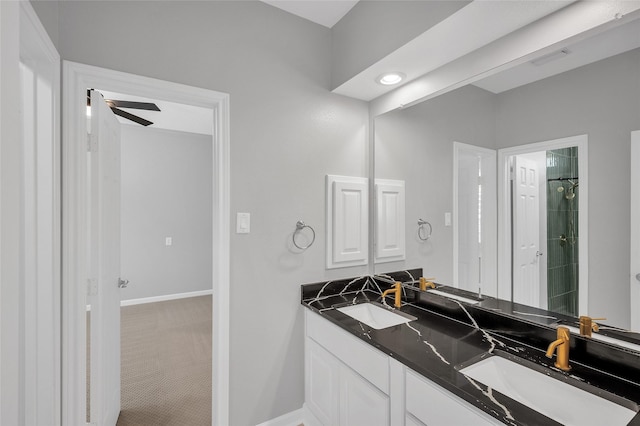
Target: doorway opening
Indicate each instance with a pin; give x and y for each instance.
(165, 245)
(543, 217)
(76, 219)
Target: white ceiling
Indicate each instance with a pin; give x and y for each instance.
(323, 12)
(172, 116)
(473, 26)
(609, 43)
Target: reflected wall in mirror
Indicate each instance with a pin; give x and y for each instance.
(530, 103)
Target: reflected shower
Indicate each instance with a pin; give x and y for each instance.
(570, 192)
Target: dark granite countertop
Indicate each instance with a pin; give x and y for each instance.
(441, 341)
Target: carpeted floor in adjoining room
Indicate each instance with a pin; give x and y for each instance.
(166, 363)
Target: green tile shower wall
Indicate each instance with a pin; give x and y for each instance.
(562, 259)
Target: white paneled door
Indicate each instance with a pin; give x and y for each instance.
(475, 218)
(104, 268)
(526, 232)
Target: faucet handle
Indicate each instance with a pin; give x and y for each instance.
(563, 333)
(595, 326)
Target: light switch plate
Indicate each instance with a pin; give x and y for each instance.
(447, 219)
(243, 223)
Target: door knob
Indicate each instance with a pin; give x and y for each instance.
(122, 283)
(539, 253)
(638, 277)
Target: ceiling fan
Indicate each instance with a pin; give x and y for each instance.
(115, 106)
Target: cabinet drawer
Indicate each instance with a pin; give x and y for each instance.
(434, 405)
(362, 358)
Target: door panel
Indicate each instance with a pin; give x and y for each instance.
(475, 216)
(526, 228)
(321, 384)
(361, 403)
(104, 255)
(467, 222)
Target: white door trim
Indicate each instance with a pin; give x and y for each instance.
(29, 219)
(635, 230)
(504, 216)
(77, 78)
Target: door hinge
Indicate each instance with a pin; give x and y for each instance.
(92, 287)
(92, 143)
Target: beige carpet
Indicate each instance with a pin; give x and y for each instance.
(166, 363)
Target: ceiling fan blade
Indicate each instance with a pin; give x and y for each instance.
(131, 117)
(135, 105)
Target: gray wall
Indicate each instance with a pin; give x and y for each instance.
(374, 29)
(287, 132)
(603, 101)
(415, 145)
(166, 192)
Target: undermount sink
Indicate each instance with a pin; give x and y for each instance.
(454, 296)
(555, 399)
(375, 315)
(606, 339)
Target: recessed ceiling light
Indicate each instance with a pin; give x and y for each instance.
(390, 78)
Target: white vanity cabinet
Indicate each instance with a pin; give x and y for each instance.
(346, 380)
(350, 383)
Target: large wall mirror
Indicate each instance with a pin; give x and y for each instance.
(524, 178)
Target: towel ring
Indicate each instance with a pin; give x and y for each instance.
(423, 235)
(300, 225)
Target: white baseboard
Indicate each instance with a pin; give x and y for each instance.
(161, 298)
(294, 418)
(165, 297)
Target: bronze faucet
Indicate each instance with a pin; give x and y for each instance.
(426, 282)
(397, 292)
(587, 325)
(561, 346)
